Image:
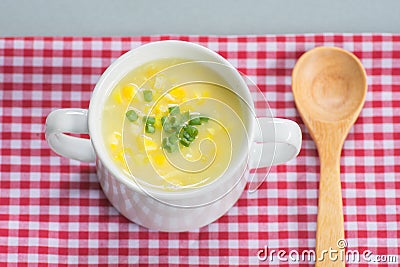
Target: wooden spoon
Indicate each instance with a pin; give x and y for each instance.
(329, 86)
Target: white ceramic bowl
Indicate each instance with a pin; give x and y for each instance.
(270, 141)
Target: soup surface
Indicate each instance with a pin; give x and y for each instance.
(173, 124)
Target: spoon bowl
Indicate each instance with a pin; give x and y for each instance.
(329, 86)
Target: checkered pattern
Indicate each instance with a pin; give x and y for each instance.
(52, 210)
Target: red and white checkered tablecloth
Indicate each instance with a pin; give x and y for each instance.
(53, 212)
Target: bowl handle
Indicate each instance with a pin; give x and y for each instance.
(277, 141)
(69, 120)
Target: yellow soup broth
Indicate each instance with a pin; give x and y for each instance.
(166, 147)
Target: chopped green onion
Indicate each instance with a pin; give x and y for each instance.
(184, 142)
(181, 133)
(171, 124)
(191, 130)
(170, 143)
(204, 119)
(187, 136)
(186, 116)
(166, 145)
(166, 124)
(173, 147)
(172, 139)
(168, 128)
(176, 123)
(195, 121)
(172, 120)
(147, 95)
(163, 118)
(181, 128)
(149, 120)
(149, 128)
(165, 142)
(174, 110)
(131, 115)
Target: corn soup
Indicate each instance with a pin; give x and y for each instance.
(172, 127)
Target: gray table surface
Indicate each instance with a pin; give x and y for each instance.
(139, 17)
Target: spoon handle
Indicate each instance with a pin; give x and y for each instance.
(330, 229)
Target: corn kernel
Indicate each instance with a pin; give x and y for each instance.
(128, 92)
(119, 157)
(169, 99)
(117, 135)
(150, 145)
(116, 95)
(210, 136)
(157, 124)
(151, 71)
(146, 109)
(128, 151)
(159, 159)
(161, 108)
(205, 94)
(115, 140)
(178, 93)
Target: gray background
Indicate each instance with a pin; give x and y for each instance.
(124, 17)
